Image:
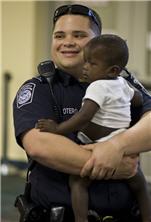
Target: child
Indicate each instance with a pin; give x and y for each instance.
(105, 112)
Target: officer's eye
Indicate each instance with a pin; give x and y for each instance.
(59, 35)
(80, 34)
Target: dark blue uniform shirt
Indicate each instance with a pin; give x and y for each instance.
(33, 102)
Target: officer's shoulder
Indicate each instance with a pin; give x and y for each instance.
(31, 84)
(36, 80)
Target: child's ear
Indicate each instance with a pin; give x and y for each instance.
(114, 71)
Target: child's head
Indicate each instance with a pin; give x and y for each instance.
(105, 56)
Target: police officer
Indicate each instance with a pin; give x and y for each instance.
(74, 26)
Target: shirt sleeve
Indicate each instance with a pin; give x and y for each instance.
(32, 102)
(138, 112)
(129, 90)
(96, 92)
(146, 95)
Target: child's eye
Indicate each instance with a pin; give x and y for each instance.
(92, 63)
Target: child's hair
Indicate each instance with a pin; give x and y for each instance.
(111, 48)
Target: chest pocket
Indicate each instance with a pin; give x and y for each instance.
(69, 99)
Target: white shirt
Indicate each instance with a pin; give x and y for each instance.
(113, 97)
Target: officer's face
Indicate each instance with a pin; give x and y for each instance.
(70, 35)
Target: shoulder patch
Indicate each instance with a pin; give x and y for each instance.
(25, 94)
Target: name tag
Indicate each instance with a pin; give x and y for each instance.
(69, 111)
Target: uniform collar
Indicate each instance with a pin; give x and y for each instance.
(65, 77)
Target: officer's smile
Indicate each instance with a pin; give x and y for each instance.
(70, 53)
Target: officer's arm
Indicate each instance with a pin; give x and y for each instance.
(107, 155)
(55, 151)
(137, 138)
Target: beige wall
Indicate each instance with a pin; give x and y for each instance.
(130, 20)
(26, 35)
(18, 28)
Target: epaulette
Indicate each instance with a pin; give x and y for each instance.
(39, 78)
(132, 79)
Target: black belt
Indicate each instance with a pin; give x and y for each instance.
(30, 212)
(65, 214)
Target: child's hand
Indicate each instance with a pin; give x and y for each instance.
(46, 125)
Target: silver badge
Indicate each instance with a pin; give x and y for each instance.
(25, 94)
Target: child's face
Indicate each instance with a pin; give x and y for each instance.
(94, 67)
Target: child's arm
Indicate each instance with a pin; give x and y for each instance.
(79, 119)
(76, 122)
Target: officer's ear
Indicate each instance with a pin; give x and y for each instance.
(114, 71)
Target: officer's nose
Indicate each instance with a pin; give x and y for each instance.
(69, 41)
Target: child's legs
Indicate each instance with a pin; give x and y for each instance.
(140, 188)
(79, 197)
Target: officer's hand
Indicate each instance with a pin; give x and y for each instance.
(46, 125)
(127, 168)
(105, 159)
